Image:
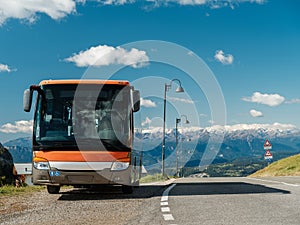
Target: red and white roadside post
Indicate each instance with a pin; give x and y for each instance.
(268, 155)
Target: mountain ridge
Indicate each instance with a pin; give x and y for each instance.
(240, 143)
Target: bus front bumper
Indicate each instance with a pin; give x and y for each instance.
(62, 177)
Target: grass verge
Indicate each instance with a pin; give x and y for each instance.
(285, 167)
(10, 190)
(153, 178)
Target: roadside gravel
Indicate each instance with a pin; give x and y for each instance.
(75, 206)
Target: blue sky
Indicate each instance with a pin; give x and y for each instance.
(251, 47)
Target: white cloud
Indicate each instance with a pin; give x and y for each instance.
(147, 121)
(190, 2)
(103, 55)
(153, 123)
(266, 99)
(293, 101)
(212, 122)
(213, 4)
(256, 113)
(28, 9)
(222, 58)
(21, 126)
(148, 103)
(191, 53)
(258, 1)
(184, 100)
(6, 68)
(116, 2)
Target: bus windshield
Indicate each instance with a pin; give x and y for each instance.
(70, 114)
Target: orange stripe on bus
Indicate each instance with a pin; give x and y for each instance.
(82, 156)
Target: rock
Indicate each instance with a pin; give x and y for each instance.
(6, 166)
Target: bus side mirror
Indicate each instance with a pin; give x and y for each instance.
(27, 100)
(136, 100)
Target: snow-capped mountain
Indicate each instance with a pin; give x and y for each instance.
(20, 149)
(239, 131)
(236, 142)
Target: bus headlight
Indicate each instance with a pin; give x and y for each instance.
(117, 166)
(41, 164)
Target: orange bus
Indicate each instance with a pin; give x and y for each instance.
(83, 133)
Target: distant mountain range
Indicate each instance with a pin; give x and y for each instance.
(240, 143)
(20, 149)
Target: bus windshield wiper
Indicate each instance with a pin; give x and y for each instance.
(115, 144)
(93, 143)
(55, 145)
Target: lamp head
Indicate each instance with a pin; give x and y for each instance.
(179, 89)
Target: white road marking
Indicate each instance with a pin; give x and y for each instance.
(165, 196)
(165, 209)
(168, 217)
(164, 202)
(274, 181)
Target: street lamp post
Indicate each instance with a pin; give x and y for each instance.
(178, 120)
(167, 88)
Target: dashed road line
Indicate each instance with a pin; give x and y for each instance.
(168, 217)
(164, 198)
(164, 204)
(165, 209)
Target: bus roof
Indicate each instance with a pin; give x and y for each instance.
(116, 82)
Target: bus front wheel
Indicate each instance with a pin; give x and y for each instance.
(53, 189)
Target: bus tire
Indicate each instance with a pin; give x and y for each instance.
(127, 189)
(53, 189)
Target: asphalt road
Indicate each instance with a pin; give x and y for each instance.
(185, 201)
(223, 201)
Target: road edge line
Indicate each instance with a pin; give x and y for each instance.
(273, 181)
